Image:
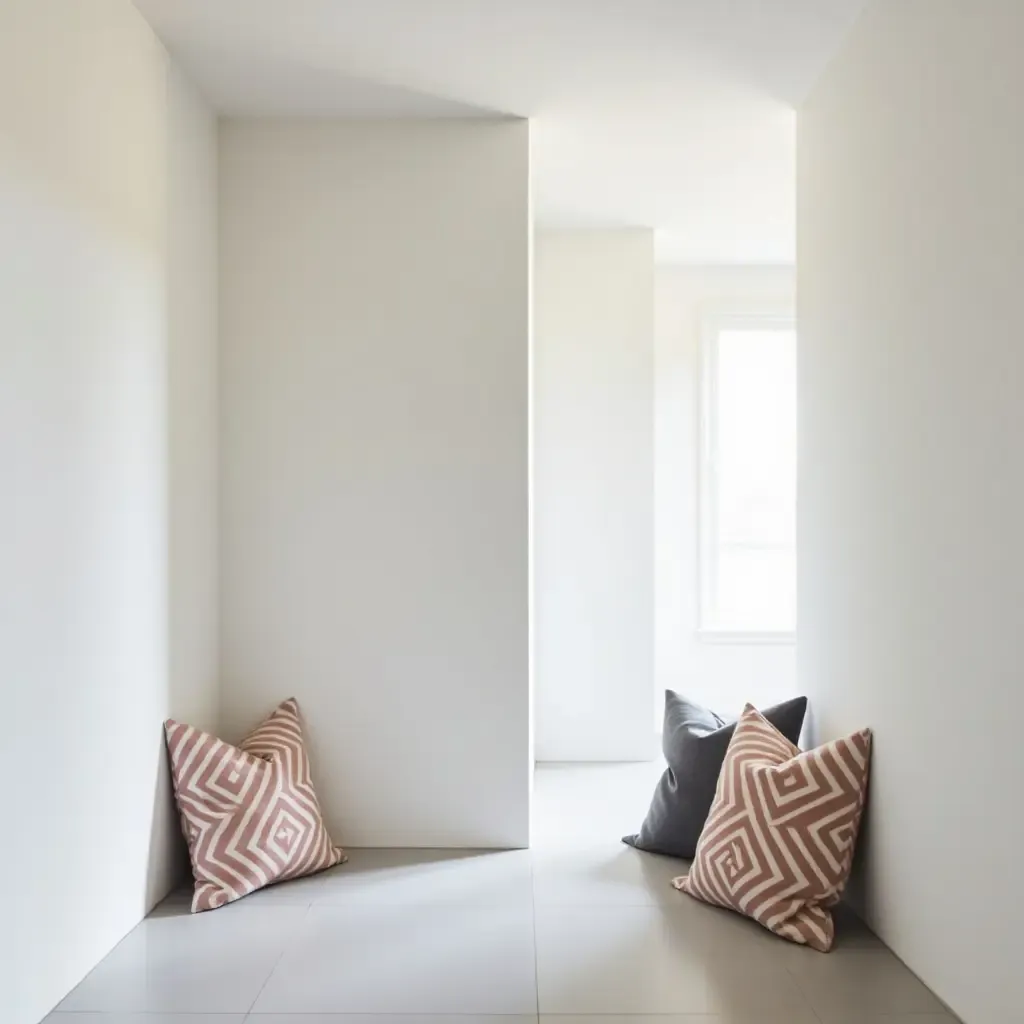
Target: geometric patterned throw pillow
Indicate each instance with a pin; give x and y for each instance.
(249, 813)
(779, 841)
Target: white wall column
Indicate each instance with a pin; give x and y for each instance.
(593, 495)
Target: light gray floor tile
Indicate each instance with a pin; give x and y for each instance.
(605, 875)
(386, 1018)
(648, 960)
(418, 877)
(404, 878)
(858, 983)
(724, 932)
(896, 1018)
(805, 1016)
(579, 805)
(852, 932)
(174, 961)
(447, 937)
(297, 893)
(58, 1017)
(446, 959)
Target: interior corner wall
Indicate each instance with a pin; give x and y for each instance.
(104, 157)
(723, 676)
(911, 229)
(375, 346)
(192, 425)
(593, 518)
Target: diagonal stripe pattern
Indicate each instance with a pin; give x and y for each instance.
(779, 842)
(249, 813)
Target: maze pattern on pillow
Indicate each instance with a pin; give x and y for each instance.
(249, 813)
(779, 841)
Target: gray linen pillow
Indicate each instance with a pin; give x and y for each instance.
(694, 741)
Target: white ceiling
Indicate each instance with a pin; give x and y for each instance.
(672, 114)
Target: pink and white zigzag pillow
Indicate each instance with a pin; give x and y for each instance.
(249, 813)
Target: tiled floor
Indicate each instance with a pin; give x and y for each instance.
(578, 926)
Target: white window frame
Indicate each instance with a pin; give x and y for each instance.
(712, 323)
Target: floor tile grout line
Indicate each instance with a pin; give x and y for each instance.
(277, 962)
(803, 995)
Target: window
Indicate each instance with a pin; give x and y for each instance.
(748, 478)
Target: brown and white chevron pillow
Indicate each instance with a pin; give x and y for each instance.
(249, 813)
(778, 844)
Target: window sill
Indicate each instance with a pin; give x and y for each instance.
(741, 638)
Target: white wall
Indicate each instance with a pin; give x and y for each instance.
(911, 229)
(92, 657)
(375, 329)
(593, 492)
(723, 676)
(192, 397)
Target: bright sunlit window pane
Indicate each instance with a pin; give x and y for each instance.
(748, 522)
